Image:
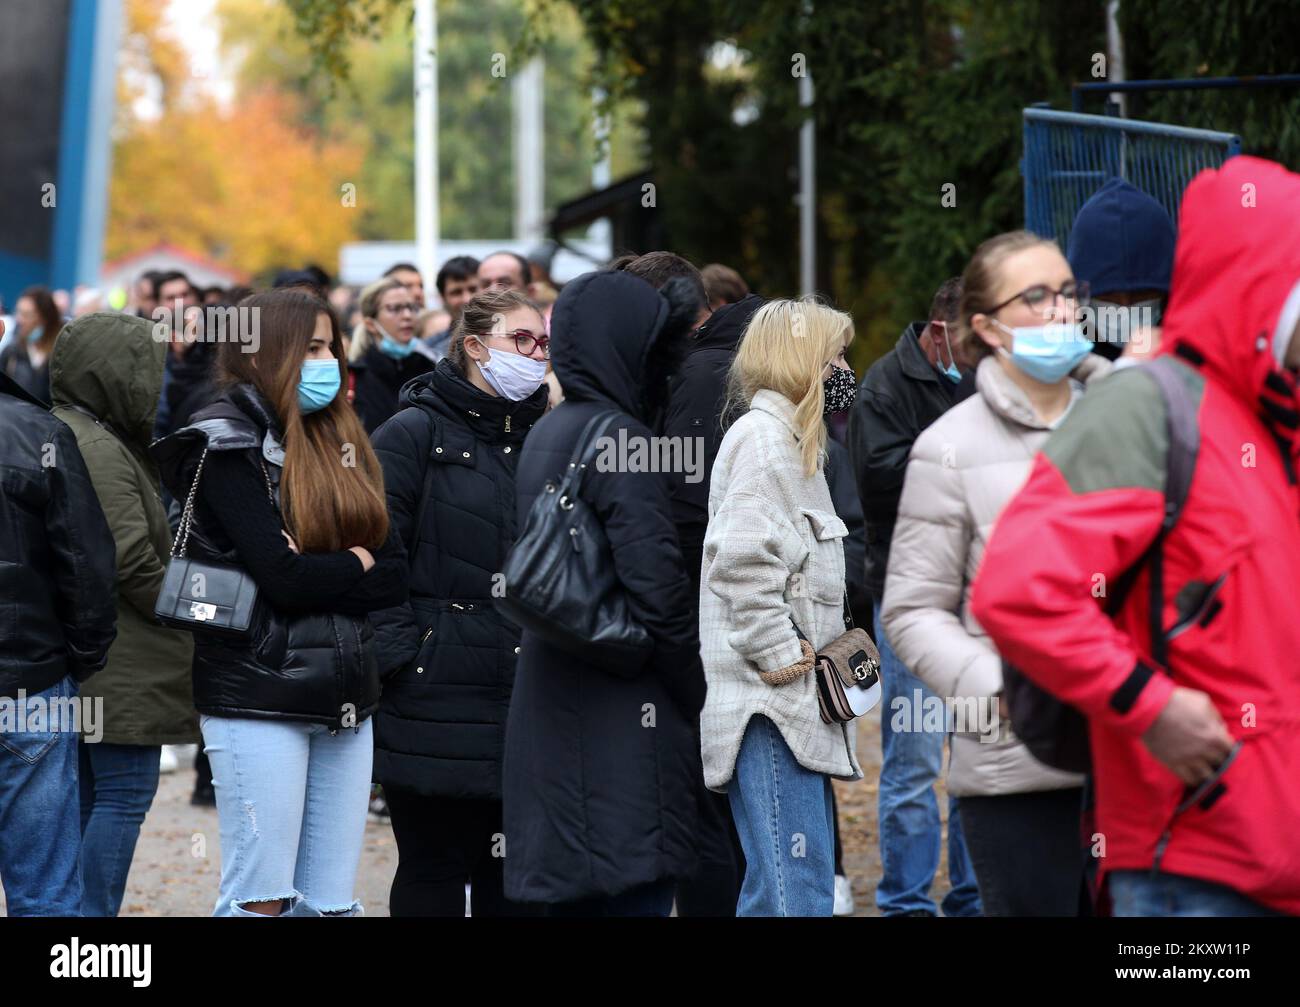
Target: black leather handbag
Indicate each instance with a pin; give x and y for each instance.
(559, 577)
(197, 595)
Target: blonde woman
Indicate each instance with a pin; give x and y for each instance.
(774, 561)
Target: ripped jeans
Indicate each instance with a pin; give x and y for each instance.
(292, 802)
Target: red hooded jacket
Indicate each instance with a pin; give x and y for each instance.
(1094, 503)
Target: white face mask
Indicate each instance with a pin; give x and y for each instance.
(513, 375)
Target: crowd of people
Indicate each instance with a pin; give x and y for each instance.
(1064, 504)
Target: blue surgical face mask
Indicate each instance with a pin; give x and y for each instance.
(390, 346)
(318, 384)
(1047, 353)
(950, 372)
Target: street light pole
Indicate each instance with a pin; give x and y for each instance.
(807, 190)
(426, 139)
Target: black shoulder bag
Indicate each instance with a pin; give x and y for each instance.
(560, 582)
(197, 595)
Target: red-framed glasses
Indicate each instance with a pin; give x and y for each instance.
(526, 341)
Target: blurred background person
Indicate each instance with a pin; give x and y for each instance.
(409, 277)
(902, 393)
(384, 351)
(723, 284)
(189, 360)
(457, 282)
(26, 359)
(1122, 246)
(505, 269)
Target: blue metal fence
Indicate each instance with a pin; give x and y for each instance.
(1069, 156)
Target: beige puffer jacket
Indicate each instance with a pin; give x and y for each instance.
(962, 471)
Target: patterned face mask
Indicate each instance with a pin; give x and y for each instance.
(839, 390)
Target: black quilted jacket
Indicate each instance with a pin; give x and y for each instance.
(448, 657)
(58, 573)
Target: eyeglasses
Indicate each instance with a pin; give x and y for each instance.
(398, 309)
(526, 341)
(1037, 297)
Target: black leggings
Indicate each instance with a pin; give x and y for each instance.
(1027, 851)
(442, 843)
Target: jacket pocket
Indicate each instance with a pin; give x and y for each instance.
(823, 570)
(454, 646)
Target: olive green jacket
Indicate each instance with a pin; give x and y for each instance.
(105, 378)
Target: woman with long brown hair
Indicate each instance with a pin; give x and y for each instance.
(27, 358)
(290, 491)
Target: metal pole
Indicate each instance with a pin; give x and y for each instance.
(427, 225)
(530, 173)
(807, 191)
(599, 230)
(1115, 55)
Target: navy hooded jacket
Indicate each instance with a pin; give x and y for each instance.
(1122, 240)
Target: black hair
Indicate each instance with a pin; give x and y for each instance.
(458, 267)
(946, 305)
(409, 267)
(322, 278)
(163, 277)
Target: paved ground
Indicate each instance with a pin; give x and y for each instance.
(177, 863)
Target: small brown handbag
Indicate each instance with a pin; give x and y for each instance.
(848, 674)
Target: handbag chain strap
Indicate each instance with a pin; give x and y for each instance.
(187, 515)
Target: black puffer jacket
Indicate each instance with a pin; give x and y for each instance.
(302, 661)
(58, 565)
(449, 462)
(601, 770)
(698, 392)
(900, 396)
(380, 379)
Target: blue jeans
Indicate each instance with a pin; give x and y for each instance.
(784, 818)
(910, 830)
(118, 783)
(40, 835)
(1137, 893)
(292, 801)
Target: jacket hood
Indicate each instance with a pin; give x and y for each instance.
(1236, 268)
(727, 325)
(8, 386)
(604, 328)
(447, 392)
(1122, 240)
(110, 364)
